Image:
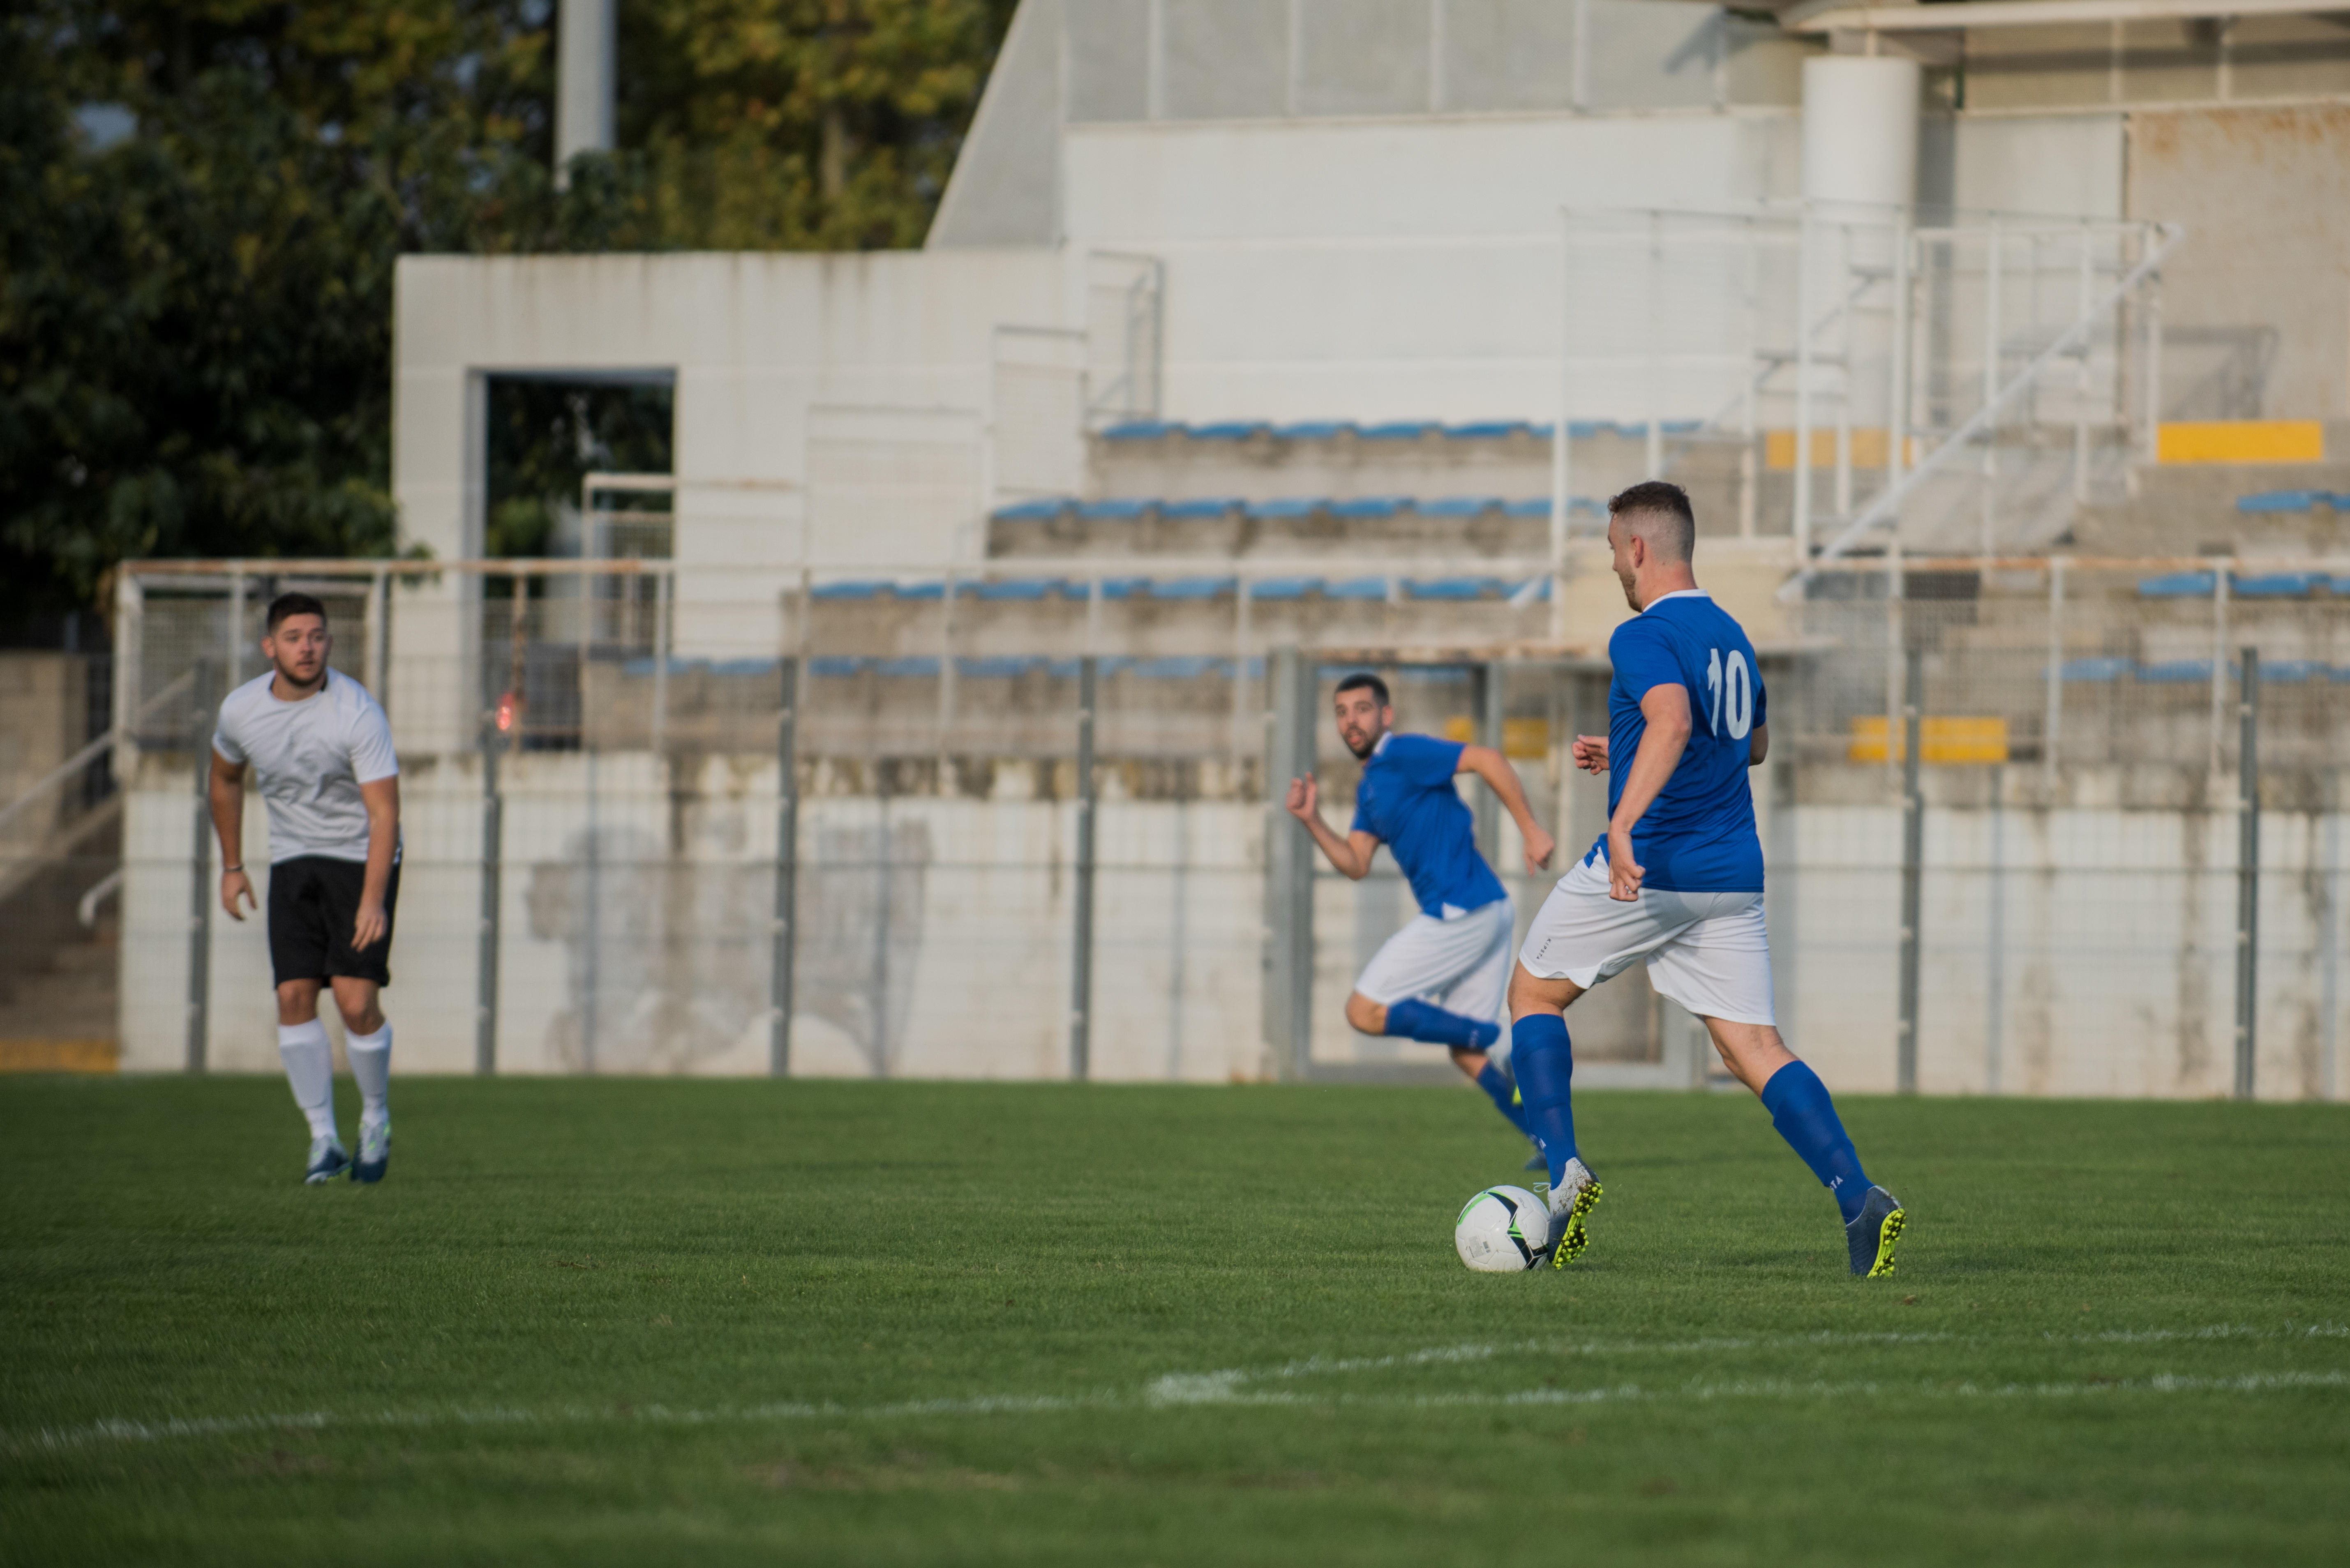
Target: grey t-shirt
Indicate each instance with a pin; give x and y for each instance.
(311, 758)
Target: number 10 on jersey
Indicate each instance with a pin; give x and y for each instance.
(1740, 683)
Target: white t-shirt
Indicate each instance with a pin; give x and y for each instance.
(311, 758)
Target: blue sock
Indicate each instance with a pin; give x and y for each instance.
(1496, 1083)
(1420, 1021)
(1800, 1108)
(1543, 1060)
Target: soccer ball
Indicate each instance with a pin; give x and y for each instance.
(1502, 1230)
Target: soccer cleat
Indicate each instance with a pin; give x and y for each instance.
(375, 1152)
(328, 1160)
(1576, 1194)
(1873, 1232)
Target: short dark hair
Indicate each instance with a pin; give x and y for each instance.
(1364, 680)
(1676, 539)
(284, 605)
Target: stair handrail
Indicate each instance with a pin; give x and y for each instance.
(1887, 505)
(104, 744)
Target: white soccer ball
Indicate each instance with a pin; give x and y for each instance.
(1502, 1230)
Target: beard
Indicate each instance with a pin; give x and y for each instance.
(287, 673)
(1370, 744)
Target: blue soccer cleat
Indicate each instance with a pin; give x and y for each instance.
(1873, 1232)
(328, 1160)
(375, 1152)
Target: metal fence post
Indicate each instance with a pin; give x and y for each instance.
(784, 936)
(1081, 967)
(1288, 866)
(1913, 854)
(485, 951)
(2248, 868)
(1487, 696)
(200, 928)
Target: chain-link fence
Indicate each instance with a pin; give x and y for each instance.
(866, 852)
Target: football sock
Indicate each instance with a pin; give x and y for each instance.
(1800, 1108)
(1504, 1093)
(1421, 1021)
(310, 1072)
(371, 1066)
(1543, 1060)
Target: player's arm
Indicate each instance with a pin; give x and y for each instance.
(225, 792)
(381, 798)
(1758, 745)
(1503, 779)
(1666, 706)
(1351, 855)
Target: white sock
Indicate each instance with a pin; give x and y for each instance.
(310, 1071)
(371, 1066)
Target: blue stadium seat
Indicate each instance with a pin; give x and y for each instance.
(1457, 505)
(2178, 586)
(1369, 506)
(2096, 669)
(997, 669)
(851, 590)
(1113, 511)
(1140, 429)
(1271, 588)
(1452, 587)
(741, 669)
(1486, 429)
(1194, 510)
(2281, 500)
(2293, 672)
(1016, 588)
(2276, 585)
(1191, 587)
(1186, 667)
(1121, 587)
(1043, 510)
(1528, 508)
(833, 664)
(2175, 671)
(920, 591)
(920, 665)
(1314, 430)
(1396, 430)
(1356, 588)
(1228, 430)
(1287, 507)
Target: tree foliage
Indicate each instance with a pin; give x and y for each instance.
(196, 319)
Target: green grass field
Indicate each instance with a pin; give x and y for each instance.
(913, 1322)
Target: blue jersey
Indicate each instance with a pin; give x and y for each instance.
(1408, 801)
(1697, 835)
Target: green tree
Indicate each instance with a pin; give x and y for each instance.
(195, 321)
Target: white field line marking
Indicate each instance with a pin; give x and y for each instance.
(1228, 1387)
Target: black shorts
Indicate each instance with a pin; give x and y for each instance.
(313, 902)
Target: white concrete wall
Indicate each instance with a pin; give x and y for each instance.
(2114, 975)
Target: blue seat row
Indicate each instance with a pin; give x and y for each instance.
(2294, 501)
(1178, 667)
(1264, 589)
(1390, 430)
(1050, 509)
(2198, 671)
(2269, 585)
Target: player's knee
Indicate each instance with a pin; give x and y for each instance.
(297, 1004)
(1366, 1016)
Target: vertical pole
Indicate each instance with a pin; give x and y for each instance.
(665, 586)
(2329, 944)
(130, 615)
(781, 932)
(1897, 403)
(592, 907)
(1897, 639)
(485, 955)
(1803, 521)
(1844, 374)
(1748, 475)
(1561, 457)
(1991, 348)
(2081, 382)
(946, 680)
(200, 903)
(2053, 731)
(378, 605)
(1653, 452)
(1913, 855)
(1081, 967)
(1241, 628)
(1490, 698)
(2248, 868)
(2220, 586)
(1995, 944)
(2153, 301)
(232, 659)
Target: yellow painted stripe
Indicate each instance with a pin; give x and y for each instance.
(1940, 740)
(58, 1055)
(2241, 440)
(1869, 447)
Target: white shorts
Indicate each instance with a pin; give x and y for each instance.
(1461, 965)
(1709, 952)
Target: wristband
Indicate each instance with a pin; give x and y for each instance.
(226, 869)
